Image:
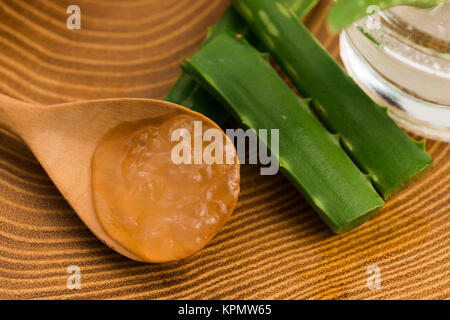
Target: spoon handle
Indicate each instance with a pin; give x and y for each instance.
(17, 116)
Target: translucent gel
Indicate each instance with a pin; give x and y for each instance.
(155, 208)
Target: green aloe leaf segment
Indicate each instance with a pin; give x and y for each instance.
(242, 79)
(188, 93)
(301, 7)
(379, 147)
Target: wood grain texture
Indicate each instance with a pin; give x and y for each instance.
(274, 246)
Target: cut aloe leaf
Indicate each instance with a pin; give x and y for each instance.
(345, 12)
(380, 148)
(246, 84)
(188, 93)
(301, 7)
(183, 89)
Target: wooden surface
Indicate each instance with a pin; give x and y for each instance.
(274, 246)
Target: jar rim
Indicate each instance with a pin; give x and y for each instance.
(415, 35)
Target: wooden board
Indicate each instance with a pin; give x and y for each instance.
(274, 247)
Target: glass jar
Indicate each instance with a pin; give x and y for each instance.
(401, 58)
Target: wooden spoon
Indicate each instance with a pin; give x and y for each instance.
(64, 137)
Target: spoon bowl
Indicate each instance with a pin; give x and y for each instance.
(64, 138)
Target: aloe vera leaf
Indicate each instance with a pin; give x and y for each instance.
(345, 12)
(370, 136)
(246, 84)
(188, 93)
(301, 7)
